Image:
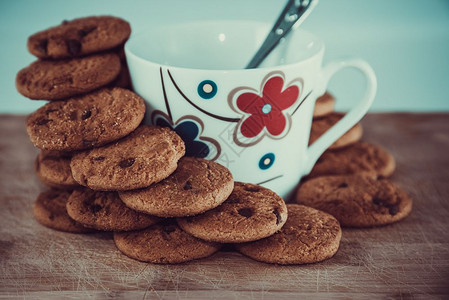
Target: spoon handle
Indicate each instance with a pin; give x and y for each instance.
(293, 13)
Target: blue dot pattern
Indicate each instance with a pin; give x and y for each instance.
(266, 161)
(204, 93)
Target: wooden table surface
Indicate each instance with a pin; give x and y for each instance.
(406, 260)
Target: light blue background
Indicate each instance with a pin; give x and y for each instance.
(405, 41)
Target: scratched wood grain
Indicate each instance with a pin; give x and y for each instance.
(407, 260)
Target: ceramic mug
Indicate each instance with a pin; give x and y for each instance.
(256, 122)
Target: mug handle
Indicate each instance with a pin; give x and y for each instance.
(352, 117)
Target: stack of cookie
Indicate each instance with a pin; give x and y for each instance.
(108, 172)
(349, 179)
(81, 70)
(164, 207)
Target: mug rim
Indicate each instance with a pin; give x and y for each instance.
(129, 53)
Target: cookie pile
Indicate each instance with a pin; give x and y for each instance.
(164, 207)
(349, 179)
(108, 172)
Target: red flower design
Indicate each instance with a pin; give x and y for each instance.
(267, 110)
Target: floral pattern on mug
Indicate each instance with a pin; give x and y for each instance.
(265, 111)
(189, 128)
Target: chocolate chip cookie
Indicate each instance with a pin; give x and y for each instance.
(87, 121)
(79, 37)
(53, 169)
(356, 200)
(148, 155)
(196, 186)
(250, 213)
(105, 211)
(163, 243)
(358, 158)
(308, 236)
(323, 124)
(324, 105)
(56, 80)
(49, 209)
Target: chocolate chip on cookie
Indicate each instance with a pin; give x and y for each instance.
(321, 125)
(79, 37)
(56, 80)
(308, 236)
(105, 211)
(50, 210)
(324, 105)
(87, 121)
(53, 169)
(197, 185)
(358, 158)
(250, 213)
(148, 155)
(356, 200)
(163, 243)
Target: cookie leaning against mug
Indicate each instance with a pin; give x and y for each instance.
(308, 236)
(323, 124)
(56, 80)
(356, 200)
(324, 105)
(358, 158)
(79, 37)
(148, 155)
(87, 121)
(250, 213)
(196, 186)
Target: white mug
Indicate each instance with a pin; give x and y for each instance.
(256, 122)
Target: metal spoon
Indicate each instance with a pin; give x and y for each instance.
(294, 13)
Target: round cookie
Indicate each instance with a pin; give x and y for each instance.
(308, 236)
(324, 105)
(323, 124)
(79, 37)
(105, 211)
(49, 209)
(53, 169)
(163, 243)
(56, 80)
(355, 200)
(250, 213)
(196, 186)
(148, 155)
(358, 158)
(87, 121)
